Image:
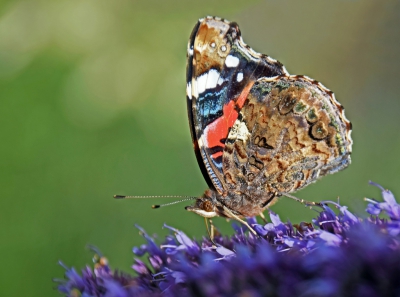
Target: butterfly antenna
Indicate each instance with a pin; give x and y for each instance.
(171, 203)
(185, 198)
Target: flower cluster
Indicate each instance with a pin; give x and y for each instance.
(338, 254)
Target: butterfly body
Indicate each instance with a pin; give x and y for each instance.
(258, 132)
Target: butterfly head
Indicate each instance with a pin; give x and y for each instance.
(207, 206)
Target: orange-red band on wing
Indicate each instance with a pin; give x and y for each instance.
(218, 130)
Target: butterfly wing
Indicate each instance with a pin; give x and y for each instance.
(290, 132)
(221, 70)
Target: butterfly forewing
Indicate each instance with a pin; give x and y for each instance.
(221, 70)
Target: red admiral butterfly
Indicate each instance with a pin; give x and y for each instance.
(258, 132)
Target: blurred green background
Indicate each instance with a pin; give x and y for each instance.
(93, 104)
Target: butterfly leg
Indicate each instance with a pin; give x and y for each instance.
(214, 230)
(302, 201)
(210, 232)
(233, 216)
(263, 217)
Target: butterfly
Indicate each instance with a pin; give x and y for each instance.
(258, 132)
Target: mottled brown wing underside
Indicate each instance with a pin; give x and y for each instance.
(290, 131)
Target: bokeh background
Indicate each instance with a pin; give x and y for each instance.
(92, 98)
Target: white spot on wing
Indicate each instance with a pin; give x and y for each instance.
(239, 131)
(212, 80)
(189, 90)
(207, 80)
(195, 94)
(189, 50)
(201, 83)
(239, 76)
(231, 61)
(200, 142)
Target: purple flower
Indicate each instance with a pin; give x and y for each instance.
(389, 206)
(338, 254)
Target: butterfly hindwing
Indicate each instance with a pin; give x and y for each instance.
(290, 131)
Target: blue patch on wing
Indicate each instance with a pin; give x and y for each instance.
(209, 106)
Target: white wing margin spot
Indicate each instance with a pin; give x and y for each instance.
(189, 90)
(231, 61)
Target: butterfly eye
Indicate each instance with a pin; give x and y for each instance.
(213, 45)
(207, 206)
